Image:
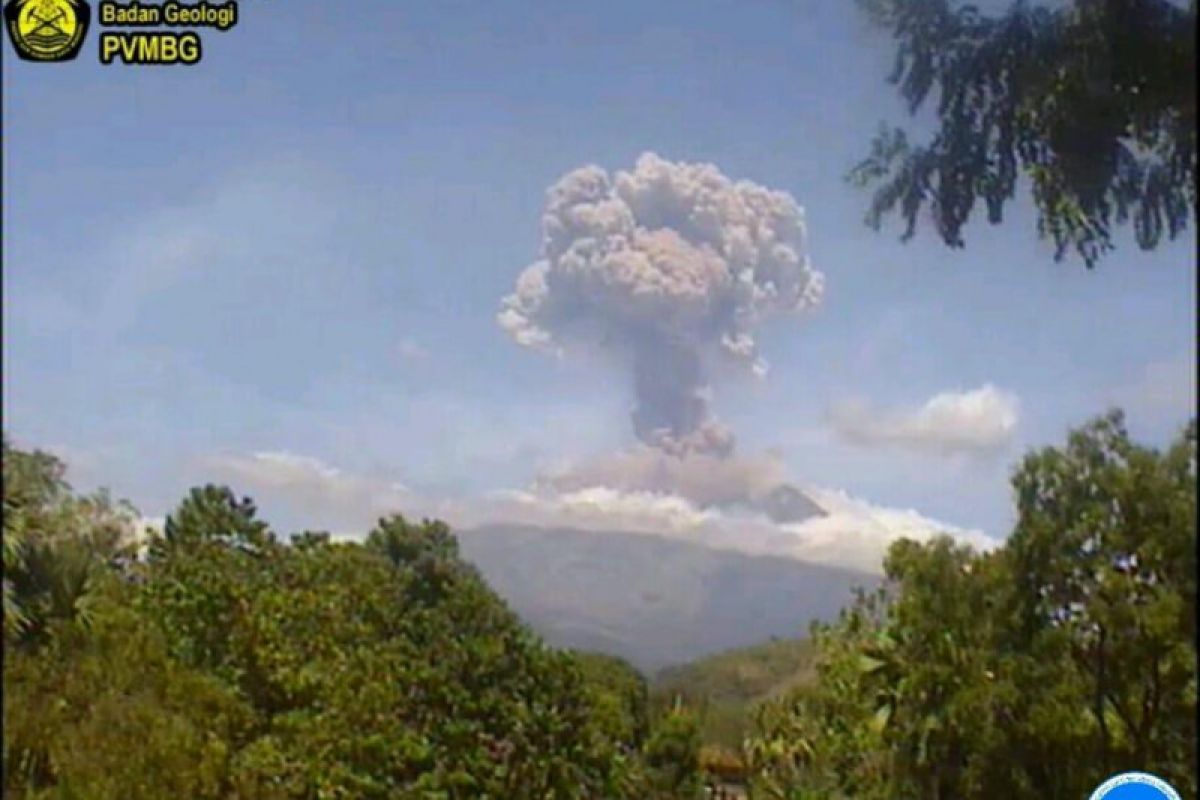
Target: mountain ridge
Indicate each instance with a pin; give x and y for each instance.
(654, 600)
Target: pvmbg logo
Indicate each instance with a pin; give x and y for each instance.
(47, 30)
(1135, 786)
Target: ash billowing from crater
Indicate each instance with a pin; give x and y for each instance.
(670, 267)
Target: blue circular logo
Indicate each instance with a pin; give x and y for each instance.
(1135, 786)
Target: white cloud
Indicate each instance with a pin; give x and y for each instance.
(857, 533)
(326, 496)
(597, 508)
(851, 533)
(704, 479)
(978, 420)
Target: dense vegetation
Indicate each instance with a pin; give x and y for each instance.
(216, 660)
(1033, 671)
(723, 690)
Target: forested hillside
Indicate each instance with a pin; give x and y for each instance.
(220, 660)
(724, 689)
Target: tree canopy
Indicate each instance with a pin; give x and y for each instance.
(1092, 101)
(218, 660)
(1036, 670)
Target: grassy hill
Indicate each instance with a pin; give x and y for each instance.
(725, 687)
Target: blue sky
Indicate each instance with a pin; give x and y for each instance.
(300, 246)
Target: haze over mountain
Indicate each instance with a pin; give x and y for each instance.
(664, 275)
(305, 307)
(652, 600)
(677, 545)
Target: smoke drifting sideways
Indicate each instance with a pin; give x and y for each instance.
(670, 267)
(755, 484)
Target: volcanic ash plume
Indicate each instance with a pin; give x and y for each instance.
(671, 266)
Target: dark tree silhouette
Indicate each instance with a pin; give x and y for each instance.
(1093, 101)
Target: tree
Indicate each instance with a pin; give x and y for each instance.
(672, 755)
(620, 698)
(55, 543)
(427, 549)
(1094, 102)
(309, 539)
(402, 542)
(377, 670)
(103, 711)
(214, 513)
(1035, 670)
(221, 662)
(1105, 552)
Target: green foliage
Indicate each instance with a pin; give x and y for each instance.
(427, 549)
(310, 539)
(672, 756)
(227, 664)
(620, 698)
(377, 669)
(1036, 670)
(104, 712)
(55, 544)
(404, 543)
(822, 736)
(1094, 101)
(1106, 554)
(214, 513)
(723, 690)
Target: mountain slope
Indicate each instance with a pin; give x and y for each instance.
(652, 600)
(743, 675)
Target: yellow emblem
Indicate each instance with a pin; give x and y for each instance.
(47, 30)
